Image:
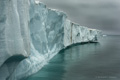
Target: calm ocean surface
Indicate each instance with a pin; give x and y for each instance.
(93, 61)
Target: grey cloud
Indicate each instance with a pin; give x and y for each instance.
(99, 14)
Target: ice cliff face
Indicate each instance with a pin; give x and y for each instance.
(14, 34)
(30, 30)
(74, 33)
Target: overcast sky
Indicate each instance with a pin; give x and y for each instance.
(99, 14)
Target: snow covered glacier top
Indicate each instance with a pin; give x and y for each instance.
(32, 33)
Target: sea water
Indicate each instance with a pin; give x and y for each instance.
(91, 61)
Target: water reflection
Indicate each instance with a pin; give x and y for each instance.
(101, 64)
(91, 61)
(61, 65)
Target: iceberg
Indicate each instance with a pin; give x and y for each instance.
(31, 34)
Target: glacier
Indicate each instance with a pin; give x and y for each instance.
(31, 34)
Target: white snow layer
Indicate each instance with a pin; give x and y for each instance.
(29, 29)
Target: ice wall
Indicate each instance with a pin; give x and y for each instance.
(14, 34)
(29, 29)
(74, 33)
